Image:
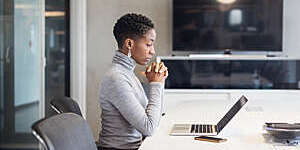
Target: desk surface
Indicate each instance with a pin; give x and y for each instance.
(244, 131)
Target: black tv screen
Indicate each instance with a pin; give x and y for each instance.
(218, 25)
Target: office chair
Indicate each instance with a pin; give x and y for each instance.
(66, 131)
(65, 104)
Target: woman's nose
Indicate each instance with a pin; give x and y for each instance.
(152, 51)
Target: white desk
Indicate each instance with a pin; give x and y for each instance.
(243, 132)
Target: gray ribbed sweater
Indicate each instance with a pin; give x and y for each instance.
(127, 113)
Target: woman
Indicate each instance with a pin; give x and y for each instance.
(127, 113)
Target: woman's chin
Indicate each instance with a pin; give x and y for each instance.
(144, 62)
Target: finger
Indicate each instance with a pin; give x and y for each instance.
(148, 68)
(161, 68)
(156, 67)
(161, 64)
(153, 66)
(166, 73)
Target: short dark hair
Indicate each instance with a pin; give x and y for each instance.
(131, 26)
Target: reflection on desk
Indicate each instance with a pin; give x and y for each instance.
(244, 131)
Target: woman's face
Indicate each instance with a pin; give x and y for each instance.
(143, 48)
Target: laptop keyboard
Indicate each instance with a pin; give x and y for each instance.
(202, 128)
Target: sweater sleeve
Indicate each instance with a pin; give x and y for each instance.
(146, 88)
(123, 98)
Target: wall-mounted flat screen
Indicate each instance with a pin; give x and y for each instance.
(233, 74)
(218, 25)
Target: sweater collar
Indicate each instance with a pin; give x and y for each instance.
(124, 60)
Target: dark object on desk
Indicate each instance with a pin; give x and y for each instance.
(283, 125)
(210, 139)
(65, 104)
(285, 141)
(227, 52)
(283, 130)
(66, 131)
(271, 55)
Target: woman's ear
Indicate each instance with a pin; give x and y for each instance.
(129, 43)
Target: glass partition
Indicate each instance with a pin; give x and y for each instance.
(57, 51)
(21, 86)
(31, 30)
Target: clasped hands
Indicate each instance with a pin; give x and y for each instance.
(156, 72)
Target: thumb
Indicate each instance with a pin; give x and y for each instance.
(143, 73)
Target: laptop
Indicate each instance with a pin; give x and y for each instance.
(208, 129)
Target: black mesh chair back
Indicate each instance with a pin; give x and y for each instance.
(66, 131)
(65, 104)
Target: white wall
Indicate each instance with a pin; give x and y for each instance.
(102, 15)
(291, 30)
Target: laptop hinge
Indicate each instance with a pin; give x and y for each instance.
(216, 129)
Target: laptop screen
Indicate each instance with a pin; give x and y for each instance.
(231, 113)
